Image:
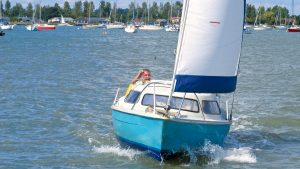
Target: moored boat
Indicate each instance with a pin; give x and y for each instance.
(130, 29)
(172, 28)
(41, 27)
(294, 29)
(150, 27)
(115, 25)
(89, 26)
(63, 22)
(32, 27)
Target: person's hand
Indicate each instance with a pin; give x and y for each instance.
(140, 74)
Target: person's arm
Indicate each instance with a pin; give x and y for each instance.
(137, 77)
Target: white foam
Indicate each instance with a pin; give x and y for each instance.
(116, 150)
(242, 155)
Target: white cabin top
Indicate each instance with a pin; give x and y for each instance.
(184, 106)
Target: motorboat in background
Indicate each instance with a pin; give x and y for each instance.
(130, 28)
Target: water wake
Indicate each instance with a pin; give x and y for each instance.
(117, 150)
(218, 154)
(212, 154)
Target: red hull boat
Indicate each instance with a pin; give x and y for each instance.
(294, 29)
(45, 27)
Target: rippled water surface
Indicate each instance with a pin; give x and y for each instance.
(56, 89)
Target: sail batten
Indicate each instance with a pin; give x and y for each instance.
(211, 46)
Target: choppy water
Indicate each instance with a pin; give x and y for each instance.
(56, 89)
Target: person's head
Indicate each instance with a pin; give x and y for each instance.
(146, 75)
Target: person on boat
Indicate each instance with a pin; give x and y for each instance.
(142, 77)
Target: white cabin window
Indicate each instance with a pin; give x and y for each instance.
(161, 101)
(132, 96)
(210, 107)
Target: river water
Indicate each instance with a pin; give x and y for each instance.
(56, 89)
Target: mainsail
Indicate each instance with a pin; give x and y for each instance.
(209, 46)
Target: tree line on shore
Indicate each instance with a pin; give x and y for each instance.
(156, 11)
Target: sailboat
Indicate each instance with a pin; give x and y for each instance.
(41, 27)
(165, 117)
(32, 26)
(147, 26)
(88, 25)
(277, 23)
(4, 24)
(63, 22)
(130, 28)
(171, 28)
(114, 25)
(257, 25)
(293, 28)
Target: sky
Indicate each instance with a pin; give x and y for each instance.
(125, 3)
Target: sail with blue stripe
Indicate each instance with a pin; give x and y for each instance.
(209, 46)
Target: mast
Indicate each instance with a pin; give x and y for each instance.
(1, 9)
(133, 11)
(115, 6)
(171, 12)
(40, 13)
(33, 11)
(100, 10)
(256, 18)
(292, 7)
(293, 12)
(178, 51)
(148, 8)
(90, 12)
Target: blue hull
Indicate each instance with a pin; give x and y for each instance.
(165, 137)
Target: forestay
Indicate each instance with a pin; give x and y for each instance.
(209, 46)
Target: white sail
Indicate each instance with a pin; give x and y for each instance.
(62, 20)
(209, 46)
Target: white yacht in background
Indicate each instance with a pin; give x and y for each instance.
(4, 24)
(172, 28)
(151, 27)
(115, 25)
(7, 27)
